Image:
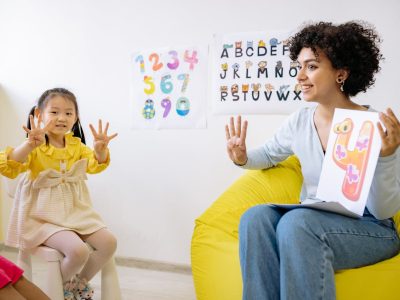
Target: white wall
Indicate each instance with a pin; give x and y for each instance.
(159, 181)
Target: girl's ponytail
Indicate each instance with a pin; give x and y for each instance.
(78, 132)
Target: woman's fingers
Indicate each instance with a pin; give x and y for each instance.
(106, 128)
(238, 125)
(244, 132)
(382, 133)
(391, 126)
(227, 134)
(232, 127)
(392, 116)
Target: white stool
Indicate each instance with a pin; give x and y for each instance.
(110, 289)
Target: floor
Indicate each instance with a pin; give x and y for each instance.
(136, 284)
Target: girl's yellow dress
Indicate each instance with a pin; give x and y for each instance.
(51, 195)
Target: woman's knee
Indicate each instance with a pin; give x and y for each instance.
(297, 224)
(258, 216)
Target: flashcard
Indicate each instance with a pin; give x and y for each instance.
(349, 165)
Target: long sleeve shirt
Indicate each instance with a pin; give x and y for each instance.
(47, 156)
(299, 136)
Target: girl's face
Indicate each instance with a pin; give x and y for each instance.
(62, 110)
(316, 76)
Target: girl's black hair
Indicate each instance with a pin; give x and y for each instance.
(41, 104)
(353, 46)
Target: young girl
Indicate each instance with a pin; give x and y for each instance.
(14, 286)
(294, 254)
(52, 205)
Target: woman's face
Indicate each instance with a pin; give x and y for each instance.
(62, 110)
(317, 76)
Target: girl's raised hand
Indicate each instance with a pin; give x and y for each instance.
(36, 135)
(101, 139)
(236, 140)
(390, 137)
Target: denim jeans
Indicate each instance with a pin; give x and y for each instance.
(294, 254)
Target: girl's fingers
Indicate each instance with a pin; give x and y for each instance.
(39, 121)
(100, 127)
(93, 130)
(238, 125)
(49, 125)
(228, 136)
(26, 129)
(112, 136)
(232, 127)
(31, 122)
(106, 129)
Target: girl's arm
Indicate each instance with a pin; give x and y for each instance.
(36, 137)
(21, 152)
(101, 140)
(16, 161)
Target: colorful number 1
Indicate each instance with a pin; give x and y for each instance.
(139, 59)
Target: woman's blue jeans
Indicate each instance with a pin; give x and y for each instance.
(294, 254)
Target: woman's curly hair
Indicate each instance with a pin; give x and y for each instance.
(353, 46)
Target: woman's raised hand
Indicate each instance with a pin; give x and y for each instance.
(101, 139)
(36, 135)
(236, 140)
(390, 137)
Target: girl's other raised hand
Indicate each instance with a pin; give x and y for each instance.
(36, 135)
(101, 139)
(236, 140)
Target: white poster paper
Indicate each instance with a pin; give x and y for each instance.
(169, 88)
(253, 74)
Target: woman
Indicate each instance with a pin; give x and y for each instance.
(294, 254)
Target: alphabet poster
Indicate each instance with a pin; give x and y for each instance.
(169, 88)
(253, 74)
(352, 153)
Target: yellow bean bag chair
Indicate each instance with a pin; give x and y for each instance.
(214, 248)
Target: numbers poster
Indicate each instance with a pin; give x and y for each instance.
(351, 156)
(253, 74)
(169, 88)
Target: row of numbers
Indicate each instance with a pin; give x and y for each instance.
(166, 85)
(156, 65)
(182, 107)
